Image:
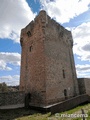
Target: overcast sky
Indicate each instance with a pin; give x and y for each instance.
(16, 14)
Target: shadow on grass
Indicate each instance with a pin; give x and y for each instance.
(12, 114)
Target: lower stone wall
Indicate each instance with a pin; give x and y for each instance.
(82, 87)
(69, 104)
(12, 98)
(87, 85)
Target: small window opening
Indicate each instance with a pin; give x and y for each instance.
(65, 93)
(63, 73)
(29, 33)
(30, 49)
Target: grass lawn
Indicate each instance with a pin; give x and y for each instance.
(27, 114)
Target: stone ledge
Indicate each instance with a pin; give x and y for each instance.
(12, 106)
(65, 105)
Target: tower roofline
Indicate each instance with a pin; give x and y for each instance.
(44, 13)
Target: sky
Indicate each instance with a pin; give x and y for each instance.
(74, 15)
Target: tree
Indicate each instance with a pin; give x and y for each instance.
(3, 87)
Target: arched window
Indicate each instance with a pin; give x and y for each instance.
(29, 33)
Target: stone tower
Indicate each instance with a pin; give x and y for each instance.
(47, 64)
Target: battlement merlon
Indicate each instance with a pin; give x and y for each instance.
(69, 37)
(27, 31)
(44, 20)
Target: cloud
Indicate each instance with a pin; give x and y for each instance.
(3, 66)
(81, 36)
(11, 58)
(10, 80)
(64, 10)
(14, 15)
(83, 70)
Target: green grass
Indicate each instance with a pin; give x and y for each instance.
(28, 114)
(57, 116)
(35, 117)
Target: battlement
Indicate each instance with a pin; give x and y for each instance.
(44, 22)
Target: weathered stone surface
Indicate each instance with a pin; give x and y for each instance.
(47, 63)
(84, 85)
(12, 98)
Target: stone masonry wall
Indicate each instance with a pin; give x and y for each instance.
(81, 83)
(84, 85)
(47, 65)
(59, 59)
(87, 85)
(32, 78)
(12, 98)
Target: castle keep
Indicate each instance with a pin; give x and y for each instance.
(47, 63)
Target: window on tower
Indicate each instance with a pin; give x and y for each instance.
(29, 33)
(30, 48)
(63, 73)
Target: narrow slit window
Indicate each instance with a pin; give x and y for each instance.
(65, 92)
(63, 73)
(30, 48)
